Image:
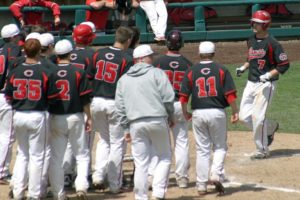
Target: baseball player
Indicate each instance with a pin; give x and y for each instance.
(175, 65)
(34, 18)
(266, 60)
(135, 40)
(157, 14)
(9, 51)
(147, 120)
(109, 64)
(47, 43)
(67, 122)
(212, 89)
(28, 89)
(81, 56)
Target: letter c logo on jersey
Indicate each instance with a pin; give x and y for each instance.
(73, 56)
(205, 71)
(109, 56)
(28, 73)
(174, 64)
(62, 73)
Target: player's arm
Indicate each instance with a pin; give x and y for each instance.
(120, 110)
(185, 92)
(16, 10)
(55, 10)
(9, 88)
(96, 4)
(88, 123)
(242, 68)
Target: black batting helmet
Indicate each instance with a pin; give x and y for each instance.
(175, 40)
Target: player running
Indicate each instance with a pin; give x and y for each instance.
(175, 65)
(67, 122)
(109, 64)
(212, 89)
(9, 51)
(266, 60)
(28, 89)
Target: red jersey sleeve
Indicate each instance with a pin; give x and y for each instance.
(51, 5)
(16, 8)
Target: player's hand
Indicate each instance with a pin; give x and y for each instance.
(240, 70)
(171, 122)
(110, 4)
(187, 116)
(97, 5)
(88, 125)
(266, 77)
(234, 118)
(127, 137)
(135, 4)
(22, 23)
(56, 20)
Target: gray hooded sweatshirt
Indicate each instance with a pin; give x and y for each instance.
(144, 91)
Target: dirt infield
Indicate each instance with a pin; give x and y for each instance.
(276, 178)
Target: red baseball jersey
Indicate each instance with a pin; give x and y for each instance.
(74, 90)
(174, 66)
(33, 18)
(109, 64)
(209, 84)
(29, 87)
(99, 18)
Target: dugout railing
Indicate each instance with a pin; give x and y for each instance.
(202, 29)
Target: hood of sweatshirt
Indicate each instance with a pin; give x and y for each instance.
(139, 69)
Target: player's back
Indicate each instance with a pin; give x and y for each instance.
(29, 86)
(175, 66)
(72, 83)
(82, 57)
(211, 82)
(109, 64)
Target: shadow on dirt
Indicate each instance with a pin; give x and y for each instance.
(278, 153)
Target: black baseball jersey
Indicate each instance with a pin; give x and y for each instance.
(265, 55)
(44, 61)
(8, 53)
(74, 90)
(209, 84)
(82, 57)
(109, 64)
(29, 86)
(174, 66)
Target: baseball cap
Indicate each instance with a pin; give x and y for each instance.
(46, 39)
(9, 31)
(90, 24)
(33, 35)
(63, 47)
(206, 47)
(142, 51)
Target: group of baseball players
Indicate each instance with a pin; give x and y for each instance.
(55, 97)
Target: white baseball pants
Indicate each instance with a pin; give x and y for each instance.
(180, 137)
(111, 145)
(63, 128)
(148, 133)
(210, 131)
(6, 136)
(253, 108)
(157, 14)
(32, 145)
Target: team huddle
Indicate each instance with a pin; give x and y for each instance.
(54, 98)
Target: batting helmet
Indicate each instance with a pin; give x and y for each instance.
(174, 40)
(83, 34)
(262, 17)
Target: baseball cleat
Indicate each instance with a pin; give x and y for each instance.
(260, 156)
(271, 137)
(99, 186)
(183, 182)
(81, 195)
(218, 186)
(5, 180)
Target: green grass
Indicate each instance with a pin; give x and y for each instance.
(285, 105)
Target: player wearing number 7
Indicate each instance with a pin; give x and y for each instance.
(212, 89)
(266, 60)
(109, 64)
(175, 65)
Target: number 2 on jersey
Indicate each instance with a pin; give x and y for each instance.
(64, 87)
(205, 91)
(106, 71)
